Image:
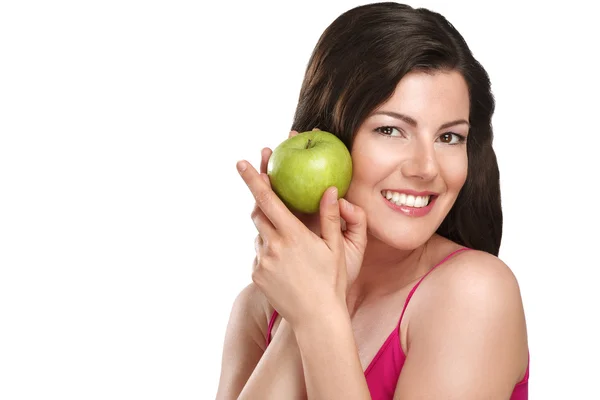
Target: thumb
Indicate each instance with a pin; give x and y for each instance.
(356, 224)
(329, 211)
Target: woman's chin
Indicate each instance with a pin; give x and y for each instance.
(400, 239)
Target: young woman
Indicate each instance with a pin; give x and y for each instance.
(394, 291)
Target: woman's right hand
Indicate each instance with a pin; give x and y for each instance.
(349, 214)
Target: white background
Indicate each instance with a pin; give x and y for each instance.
(124, 227)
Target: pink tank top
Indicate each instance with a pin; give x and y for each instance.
(384, 370)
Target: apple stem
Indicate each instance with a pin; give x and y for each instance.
(308, 144)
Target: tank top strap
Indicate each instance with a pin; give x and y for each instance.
(270, 328)
(414, 288)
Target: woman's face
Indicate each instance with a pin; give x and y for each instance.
(410, 158)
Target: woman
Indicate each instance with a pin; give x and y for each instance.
(333, 311)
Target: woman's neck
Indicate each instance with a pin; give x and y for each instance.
(386, 269)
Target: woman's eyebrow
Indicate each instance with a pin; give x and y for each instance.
(413, 122)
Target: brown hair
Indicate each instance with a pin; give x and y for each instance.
(356, 66)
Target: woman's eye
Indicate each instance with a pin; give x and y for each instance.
(452, 138)
(389, 131)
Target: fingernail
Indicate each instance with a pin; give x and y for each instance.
(348, 205)
(241, 166)
(334, 194)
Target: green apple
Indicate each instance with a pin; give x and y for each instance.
(302, 167)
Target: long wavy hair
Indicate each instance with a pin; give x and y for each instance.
(357, 64)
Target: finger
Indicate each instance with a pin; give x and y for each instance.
(316, 129)
(261, 222)
(330, 219)
(266, 179)
(292, 134)
(265, 154)
(356, 224)
(265, 198)
(266, 230)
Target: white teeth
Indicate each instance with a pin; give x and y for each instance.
(403, 199)
(419, 202)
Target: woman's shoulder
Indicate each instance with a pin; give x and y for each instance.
(471, 303)
(471, 278)
(464, 277)
(480, 273)
(461, 276)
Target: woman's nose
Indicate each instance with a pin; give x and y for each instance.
(421, 163)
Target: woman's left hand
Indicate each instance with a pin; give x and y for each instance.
(299, 272)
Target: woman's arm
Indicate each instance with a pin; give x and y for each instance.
(278, 374)
(247, 370)
(332, 368)
(323, 349)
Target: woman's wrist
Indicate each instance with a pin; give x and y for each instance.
(333, 313)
